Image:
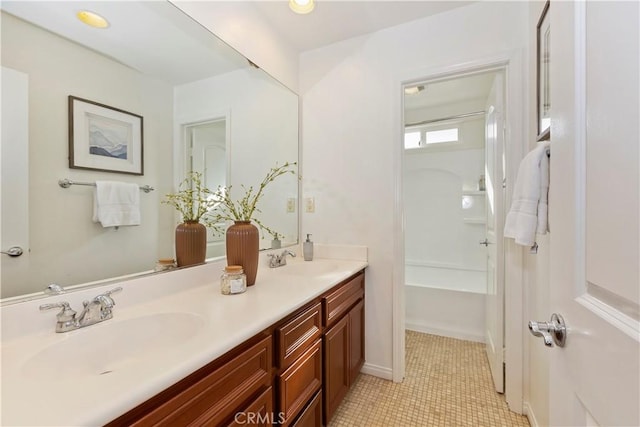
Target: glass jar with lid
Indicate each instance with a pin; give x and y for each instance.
(233, 280)
(165, 264)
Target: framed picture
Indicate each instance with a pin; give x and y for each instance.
(104, 138)
(543, 85)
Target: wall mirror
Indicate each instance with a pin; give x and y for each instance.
(204, 107)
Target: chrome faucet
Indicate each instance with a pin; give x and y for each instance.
(279, 260)
(97, 310)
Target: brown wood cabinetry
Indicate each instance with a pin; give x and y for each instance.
(356, 340)
(336, 366)
(296, 335)
(299, 357)
(312, 414)
(257, 413)
(210, 396)
(300, 382)
(342, 298)
(319, 351)
(343, 341)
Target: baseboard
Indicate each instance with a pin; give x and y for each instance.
(528, 412)
(461, 335)
(377, 371)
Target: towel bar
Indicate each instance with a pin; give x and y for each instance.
(66, 183)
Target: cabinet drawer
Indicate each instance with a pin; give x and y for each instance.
(216, 397)
(340, 301)
(312, 414)
(257, 413)
(300, 382)
(297, 335)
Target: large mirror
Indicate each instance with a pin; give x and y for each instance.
(204, 107)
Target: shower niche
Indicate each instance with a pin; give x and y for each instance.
(474, 206)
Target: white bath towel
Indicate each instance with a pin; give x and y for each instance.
(116, 204)
(529, 209)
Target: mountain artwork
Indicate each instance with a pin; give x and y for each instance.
(109, 137)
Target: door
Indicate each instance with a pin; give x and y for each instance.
(207, 143)
(336, 366)
(494, 175)
(15, 179)
(594, 213)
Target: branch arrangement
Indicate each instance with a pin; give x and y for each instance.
(193, 200)
(196, 202)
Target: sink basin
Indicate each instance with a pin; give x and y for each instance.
(110, 346)
(311, 268)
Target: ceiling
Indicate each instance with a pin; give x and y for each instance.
(335, 20)
(151, 37)
(451, 91)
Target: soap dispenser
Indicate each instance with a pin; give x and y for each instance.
(307, 249)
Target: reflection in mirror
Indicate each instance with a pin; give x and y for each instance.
(204, 108)
(206, 153)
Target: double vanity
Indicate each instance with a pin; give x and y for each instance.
(178, 352)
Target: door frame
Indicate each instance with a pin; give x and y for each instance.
(180, 139)
(214, 243)
(516, 122)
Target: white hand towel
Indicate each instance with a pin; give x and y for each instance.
(116, 204)
(528, 213)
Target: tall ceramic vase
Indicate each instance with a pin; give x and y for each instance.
(191, 243)
(242, 248)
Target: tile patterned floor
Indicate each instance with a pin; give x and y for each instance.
(447, 384)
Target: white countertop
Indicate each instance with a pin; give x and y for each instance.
(69, 396)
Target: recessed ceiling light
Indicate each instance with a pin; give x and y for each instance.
(92, 19)
(412, 90)
(301, 6)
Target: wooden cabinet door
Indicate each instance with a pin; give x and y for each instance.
(356, 341)
(258, 413)
(312, 414)
(336, 366)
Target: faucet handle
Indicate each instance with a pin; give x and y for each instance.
(66, 314)
(105, 299)
(113, 291)
(63, 305)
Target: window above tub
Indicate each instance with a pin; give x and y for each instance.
(451, 135)
(424, 136)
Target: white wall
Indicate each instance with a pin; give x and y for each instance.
(536, 271)
(66, 246)
(263, 131)
(241, 26)
(351, 132)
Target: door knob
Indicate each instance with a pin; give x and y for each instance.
(13, 251)
(554, 331)
(486, 242)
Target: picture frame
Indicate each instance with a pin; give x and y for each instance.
(543, 60)
(104, 138)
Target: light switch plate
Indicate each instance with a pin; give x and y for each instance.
(291, 205)
(309, 205)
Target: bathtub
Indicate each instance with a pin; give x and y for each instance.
(445, 301)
